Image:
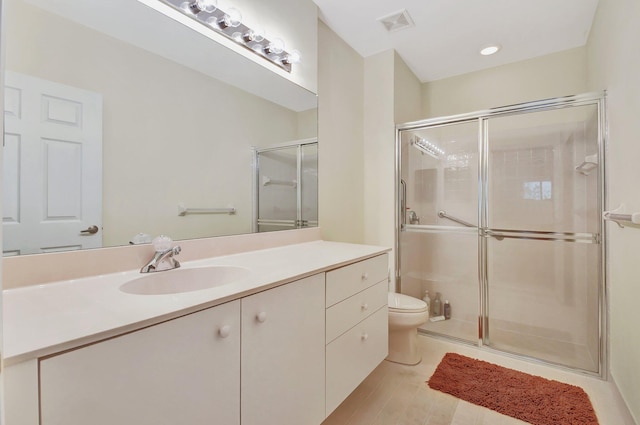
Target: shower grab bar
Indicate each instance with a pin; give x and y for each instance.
(443, 214)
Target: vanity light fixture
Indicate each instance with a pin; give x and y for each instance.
(490, 49)
(229, 23)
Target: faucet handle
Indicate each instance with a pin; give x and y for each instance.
(162, 243)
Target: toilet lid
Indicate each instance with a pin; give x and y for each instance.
(401, 302)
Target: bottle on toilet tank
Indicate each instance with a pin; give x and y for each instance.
(437, 305)
(447, 310)
(427, 300)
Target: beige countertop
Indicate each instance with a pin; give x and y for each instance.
(41, 320)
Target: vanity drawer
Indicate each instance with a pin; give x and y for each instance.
(348, 313)
(349, 280)
(354, 355)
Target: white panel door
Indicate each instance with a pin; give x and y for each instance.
(53, 166)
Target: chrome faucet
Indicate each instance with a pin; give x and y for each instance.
(163, 259)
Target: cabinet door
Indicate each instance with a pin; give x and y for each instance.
(283, 355)
(184, 371)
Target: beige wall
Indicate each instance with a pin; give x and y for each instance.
(379, 202)
(559, 74)
(407, 92)
(163, 142)
(340, 131)
(614, 65)
(392, 95)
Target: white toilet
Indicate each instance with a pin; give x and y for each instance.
(405, 315)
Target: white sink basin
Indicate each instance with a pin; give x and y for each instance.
(184, 280)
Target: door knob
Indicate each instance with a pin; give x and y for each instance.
(91, 230)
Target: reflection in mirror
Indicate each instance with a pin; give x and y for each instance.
(106, 127)
(287, 186)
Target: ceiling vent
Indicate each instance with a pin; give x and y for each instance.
(397, 21)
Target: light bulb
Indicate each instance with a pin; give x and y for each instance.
(237, 37)
(276, 47)
(253, 35)
(197, 6)
(292, 57)
(208, 6)
(232, 18)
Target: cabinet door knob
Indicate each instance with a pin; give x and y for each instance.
(261, 317)
(365, 307)
(364, 336)
(225, 331)
(365, 276)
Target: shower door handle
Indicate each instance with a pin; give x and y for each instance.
(403, 203)
(491, 234)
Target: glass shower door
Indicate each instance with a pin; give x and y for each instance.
(541, 230)
(438, 238)
(277, 188)
(309, 185)
(286, 187)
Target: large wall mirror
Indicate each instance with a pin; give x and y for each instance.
(115, 115)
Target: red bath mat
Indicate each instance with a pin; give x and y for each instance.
(532, 399)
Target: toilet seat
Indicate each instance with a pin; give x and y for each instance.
(400, 303)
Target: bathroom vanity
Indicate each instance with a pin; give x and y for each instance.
(305, 324)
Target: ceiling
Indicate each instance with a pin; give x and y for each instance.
(448, 34)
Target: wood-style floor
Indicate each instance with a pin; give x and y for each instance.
(398, 395)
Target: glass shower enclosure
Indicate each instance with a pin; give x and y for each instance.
(500, 215)
(286, 186)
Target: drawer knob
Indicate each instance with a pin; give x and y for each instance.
(261, 317)
(364, 336)
(365, 276)
(365, 307)
(225, 331)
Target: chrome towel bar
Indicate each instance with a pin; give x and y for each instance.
(182, 210)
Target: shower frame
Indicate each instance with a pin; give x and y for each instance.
(299, 221)
(481, 117)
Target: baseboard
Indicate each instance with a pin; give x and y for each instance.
(621, 403)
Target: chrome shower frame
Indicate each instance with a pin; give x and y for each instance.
(299, 222)
(482, 117)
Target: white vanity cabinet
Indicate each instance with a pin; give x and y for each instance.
(277, 353)
(357, 325)
(283, 354)
(183, 371)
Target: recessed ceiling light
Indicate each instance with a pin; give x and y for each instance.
(490, 50)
